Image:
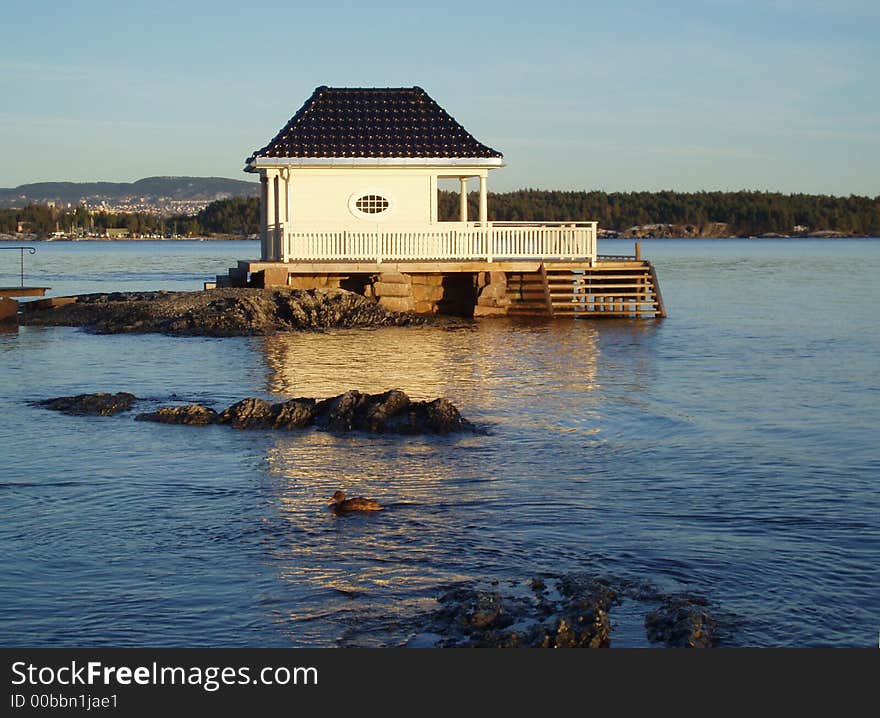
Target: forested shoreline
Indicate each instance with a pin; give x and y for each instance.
(637, 214)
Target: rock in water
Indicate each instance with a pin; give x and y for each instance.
(293, 414)
(249, 413)
(681, 622)
(382, 407)
(443, 417)
(97, 404)
(390, 412)
(567, 611)
(338, 412)
(190, 415)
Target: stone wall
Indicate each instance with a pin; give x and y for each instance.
(491, 294)
(280, 277)
(419, 293)
(456, 293)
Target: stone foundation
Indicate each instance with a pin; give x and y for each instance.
(456, 293)
(491, 294)
(280, 277)
(419, 293)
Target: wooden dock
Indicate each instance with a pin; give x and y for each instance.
(9, 306)
(610, 288)
(23, 291)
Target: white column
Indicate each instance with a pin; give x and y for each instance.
(462, 200)
(271, 207)
(288, 214)
(264, 207)
(484, 211)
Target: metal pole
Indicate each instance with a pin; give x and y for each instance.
(21, 249)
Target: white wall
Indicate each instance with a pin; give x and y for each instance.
(320, 197)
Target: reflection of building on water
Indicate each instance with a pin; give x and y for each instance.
(469, 364)
(416, 360)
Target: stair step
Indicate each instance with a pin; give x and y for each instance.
(600, 265)
(615, 286)
(616, 294)
(623, 289)
(603, 275)
(655, 312)
(533, 294)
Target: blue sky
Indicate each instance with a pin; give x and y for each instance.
(772, 95)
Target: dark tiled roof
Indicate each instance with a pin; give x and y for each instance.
(373, 122)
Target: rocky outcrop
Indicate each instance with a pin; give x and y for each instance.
(219, 312)
(391, 412)
(97, 404)
(691, 231)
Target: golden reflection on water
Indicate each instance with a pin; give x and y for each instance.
(426, 362)
(517, 378)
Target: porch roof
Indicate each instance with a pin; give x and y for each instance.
(374, 123)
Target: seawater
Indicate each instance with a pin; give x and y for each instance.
(730, 450)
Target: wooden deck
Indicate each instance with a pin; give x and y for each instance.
(410, 267)
(23, 291)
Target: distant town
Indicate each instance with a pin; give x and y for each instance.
(164, 196)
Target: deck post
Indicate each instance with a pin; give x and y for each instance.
(271, 216)
(264, 224)
(484, 210)
(284, 208)
(463, 200)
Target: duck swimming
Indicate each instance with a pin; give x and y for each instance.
(341, 504)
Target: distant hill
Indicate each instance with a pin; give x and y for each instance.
(150, 191)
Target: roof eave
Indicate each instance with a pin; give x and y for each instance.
(256, 163)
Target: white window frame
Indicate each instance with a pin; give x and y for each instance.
(377, 216)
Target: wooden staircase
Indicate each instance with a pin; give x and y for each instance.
(617, 288)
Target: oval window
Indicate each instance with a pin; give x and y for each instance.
(372, 204)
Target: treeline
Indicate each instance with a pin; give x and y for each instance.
(238, 215)
(745, 213)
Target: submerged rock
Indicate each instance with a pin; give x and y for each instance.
(565, 611)
(96, 404)
(219, 312)
(682, 622)
(576, 616)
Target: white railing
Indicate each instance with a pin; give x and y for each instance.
(551, 241)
